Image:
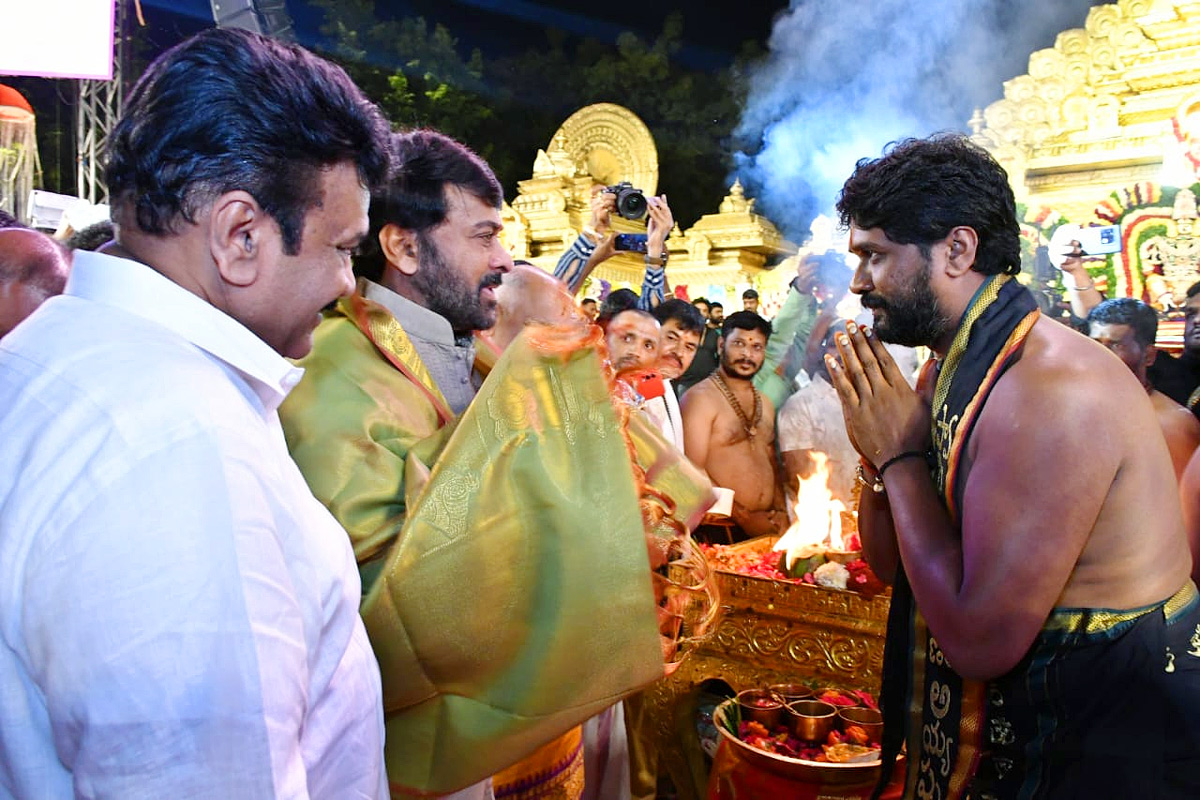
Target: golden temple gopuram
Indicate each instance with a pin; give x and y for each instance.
(604, 144)
(1105, 129)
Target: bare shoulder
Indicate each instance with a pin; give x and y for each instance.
(1174, 417)
(1061, 372)
(1067, 401)
(702, 396)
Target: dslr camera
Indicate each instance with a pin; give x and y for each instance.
(631, 202)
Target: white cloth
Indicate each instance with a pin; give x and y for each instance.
(812, 419)
(664, 413)
(606, 756)
(179, 614)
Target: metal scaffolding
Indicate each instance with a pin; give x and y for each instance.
(98, 107)
(100, 102)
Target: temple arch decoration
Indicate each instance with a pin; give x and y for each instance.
(1104, 128)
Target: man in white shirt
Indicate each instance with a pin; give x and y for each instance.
(179, 614)
(680, 327)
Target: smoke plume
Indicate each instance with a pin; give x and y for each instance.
(843, 79)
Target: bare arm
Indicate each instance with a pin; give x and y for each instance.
(1182, 432)
(878, 534)
(698, 413)
(1081, 289)
(1189, 494)
(986, 589)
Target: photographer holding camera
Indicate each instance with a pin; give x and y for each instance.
(597, 243)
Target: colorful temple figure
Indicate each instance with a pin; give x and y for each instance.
(1171, 262)
(507, 515)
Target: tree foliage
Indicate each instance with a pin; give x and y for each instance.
(509, 107)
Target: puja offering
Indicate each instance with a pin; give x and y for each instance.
(821, 548)
(791, 692)
(870, 720)
(819, 623)
(759, 705)
(818, 742)
(811, 720)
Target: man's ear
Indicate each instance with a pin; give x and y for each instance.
(239, 230)
(400, 248)
(1151, 354)
(961, 246)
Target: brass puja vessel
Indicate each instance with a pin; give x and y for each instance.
(770, 632)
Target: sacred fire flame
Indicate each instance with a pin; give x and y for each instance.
(818, 524)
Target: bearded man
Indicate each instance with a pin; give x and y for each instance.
(1036, 551)
(443, 480)
(729, 429)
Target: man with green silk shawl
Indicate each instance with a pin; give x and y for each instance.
(1044, 633)
(498, 523)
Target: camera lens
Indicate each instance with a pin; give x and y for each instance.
(631, 204)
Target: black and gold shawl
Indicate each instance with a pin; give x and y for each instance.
(937, 712)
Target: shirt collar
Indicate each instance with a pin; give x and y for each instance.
(140, 290)
(416, 319)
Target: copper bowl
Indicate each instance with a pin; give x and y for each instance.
(811, 720)
(857, 773)
(791, 692)
(868, 719)
(759, 705)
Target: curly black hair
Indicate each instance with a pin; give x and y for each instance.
(921, 189)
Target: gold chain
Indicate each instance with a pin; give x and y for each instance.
(751, 427)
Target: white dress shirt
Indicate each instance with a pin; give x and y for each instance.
(179, 615)
(664, 413)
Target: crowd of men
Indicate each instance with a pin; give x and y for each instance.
(296, 468)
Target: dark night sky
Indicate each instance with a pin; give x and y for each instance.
(499, 27)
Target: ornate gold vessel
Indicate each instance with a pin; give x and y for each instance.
(770, 632)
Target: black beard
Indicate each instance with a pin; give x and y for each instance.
(727, 365)
(448, 295)
(911, 318)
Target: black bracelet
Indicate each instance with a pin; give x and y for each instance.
(906, 454)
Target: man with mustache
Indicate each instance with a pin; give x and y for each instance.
(180, 614)
(427, 281)
(1128, 328)
(680, 324)
(1021, 503)
(632, 338)
(440, 478)
(729, 430)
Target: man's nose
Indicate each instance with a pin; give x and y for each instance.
(348, 282)
(502, 260)
(860, 282)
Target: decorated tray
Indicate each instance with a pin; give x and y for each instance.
(727, 717)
